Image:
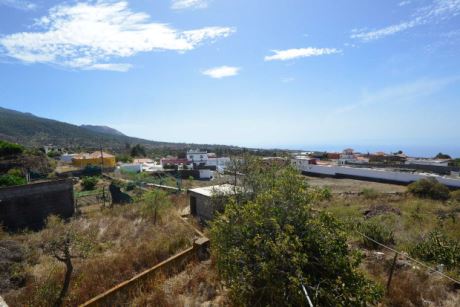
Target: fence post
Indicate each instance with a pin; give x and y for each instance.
(391, 272)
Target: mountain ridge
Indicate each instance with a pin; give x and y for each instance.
(33, 131)
(102, 129)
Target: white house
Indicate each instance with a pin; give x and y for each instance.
(197, 156)
(300, 161)
(67, 158)
(152, 167)
(219, 163)
(348, 155)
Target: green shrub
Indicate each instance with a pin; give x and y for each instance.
(321, 194)
(11, 180)
(429, 188)
(455, 195)
(271, 243)
(369, 193)
(89, 183)
(10, 149)
(53, 154)
(130, 186)
(91, 170)
(124, 158)
(376, 231)
(15, 172)
(438, 248)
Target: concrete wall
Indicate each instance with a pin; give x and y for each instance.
(28, 206)
(204, 208)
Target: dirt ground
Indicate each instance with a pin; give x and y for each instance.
(354, 186)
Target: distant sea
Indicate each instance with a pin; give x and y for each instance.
(427, 151)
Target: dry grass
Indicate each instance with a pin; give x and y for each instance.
(410, 219)
(126, 243)
(197, 285)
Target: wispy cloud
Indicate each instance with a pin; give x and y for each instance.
(186, 4)
(19, 4)
(404, 2)
(290, 54)
(402, 93)
(287, 80)
(91, 35)
(121, 67)
(221, 72)
(436, 11)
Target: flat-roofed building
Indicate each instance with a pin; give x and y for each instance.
(204, 202)
(94, 159)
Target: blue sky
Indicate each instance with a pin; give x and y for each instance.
(261, 73)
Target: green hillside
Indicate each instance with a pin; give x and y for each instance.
(102, 129)
(33, 131)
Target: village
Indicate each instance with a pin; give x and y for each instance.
(178, 197)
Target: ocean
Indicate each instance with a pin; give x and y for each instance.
(425, 151)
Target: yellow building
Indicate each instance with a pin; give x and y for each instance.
(94, 159)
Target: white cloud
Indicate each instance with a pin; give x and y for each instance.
(19, 4)
(92, 34)
(221, 72)
(373, 35)
(289, 54)
(438, 10)
(186, 4)
(404, 2)
(121, 67)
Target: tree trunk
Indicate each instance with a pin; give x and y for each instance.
(68, 275)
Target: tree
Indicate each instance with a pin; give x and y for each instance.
(9, 149)
(429, 188)
(125, 158)
(269, 242)
(89, 183)
(12, 177)
(64, 242)
(442, 156)
(155, 202)
(138, 151)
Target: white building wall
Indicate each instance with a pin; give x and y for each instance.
(67, 158)
(132, 168)
(205, 174)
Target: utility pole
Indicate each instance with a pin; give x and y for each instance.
(102, 171)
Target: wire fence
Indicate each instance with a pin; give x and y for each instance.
(405, 255)
(88, 198)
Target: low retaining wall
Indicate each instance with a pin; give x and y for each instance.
(163, 187)
(28, 206)
(170, 266)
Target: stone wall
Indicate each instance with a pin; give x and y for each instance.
(28, 206)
